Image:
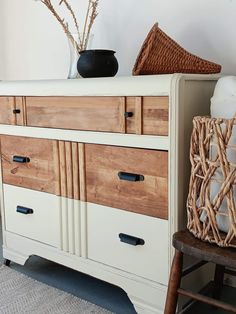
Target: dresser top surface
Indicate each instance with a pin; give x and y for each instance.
(148, 85)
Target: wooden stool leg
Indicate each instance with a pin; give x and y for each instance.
(218, 281)
(174, 283)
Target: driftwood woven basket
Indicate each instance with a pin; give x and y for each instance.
(212, 190)
(162, 55)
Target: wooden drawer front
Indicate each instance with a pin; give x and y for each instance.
(12, 110)
(40, 173)
(149, 260)
(7, 105)
(42, 224)
(78, 113)
(150, 115)
(103, 166)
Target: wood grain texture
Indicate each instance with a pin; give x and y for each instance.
(134, 123)
(38, 174)
(174, 283)
(82, 172)
(150, 115)
(20, 117)
(69, 169)
(155, 115)
(103, 186)
(77, 113)
(185, 242)
(7, 105)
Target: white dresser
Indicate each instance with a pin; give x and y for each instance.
(95, 174)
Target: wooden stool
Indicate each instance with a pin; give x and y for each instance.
(185, 243)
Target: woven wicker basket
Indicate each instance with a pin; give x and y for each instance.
(162, 55)
(211, 145)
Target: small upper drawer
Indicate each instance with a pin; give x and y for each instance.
(7, 105)
(78, 113)
(127, 178)
(30, 163)
(11, 110)
(150, 115)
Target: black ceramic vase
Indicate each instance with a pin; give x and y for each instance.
(97, 63)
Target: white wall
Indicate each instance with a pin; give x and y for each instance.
(1, 43)
(33, 45)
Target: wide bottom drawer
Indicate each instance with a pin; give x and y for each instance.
(131, 242)
(32, 214)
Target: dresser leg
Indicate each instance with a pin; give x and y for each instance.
(7, 262)
(143, 308)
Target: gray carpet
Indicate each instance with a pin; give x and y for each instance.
(20, 294)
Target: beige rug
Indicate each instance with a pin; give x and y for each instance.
(20, 294)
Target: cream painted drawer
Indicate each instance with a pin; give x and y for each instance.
(106, 226)
(41, 225)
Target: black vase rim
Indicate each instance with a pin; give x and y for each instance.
(104, 51)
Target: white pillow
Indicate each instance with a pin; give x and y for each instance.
(223, 105)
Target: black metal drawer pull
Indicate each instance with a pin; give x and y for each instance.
(128, 114)
(21, 159)
(15, 111)
(130, 239)
(24, 210)
(130, 176)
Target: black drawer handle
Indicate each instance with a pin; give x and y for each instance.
(129, 114)
(15, 111)
(130, 176)
(21, 159)
(130, 239)
(24, 210)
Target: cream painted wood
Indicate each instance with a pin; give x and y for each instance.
(118, 86)
(189, 95)
(193, 98)
(148, 296)
(149, 260)
(127, 140)
(43, 224)
(70, 222)
(84, 230)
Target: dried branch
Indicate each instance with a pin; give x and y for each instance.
(51, 8)
(68, 6)
(91, 15)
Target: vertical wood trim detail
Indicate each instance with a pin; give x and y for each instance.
(82, 172)
(20, 118)
(138, 115)
(14, 107)
(122, 114)
(71, 230)
(64, 217)
(2, 209)
(77, 228)
(70, 226)
(69, 169)
(62, 161)
(56, 163)
(75, 170)
(69, 173)
(24, 111)
(83, 228)
(61, 224)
